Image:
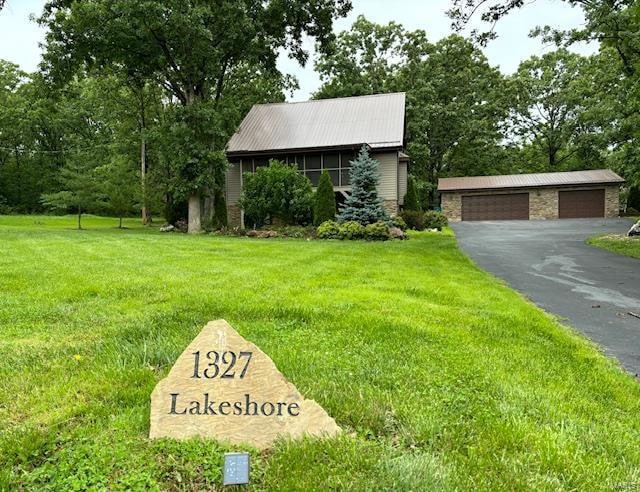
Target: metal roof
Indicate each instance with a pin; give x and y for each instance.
(599, 176)
(376, 120)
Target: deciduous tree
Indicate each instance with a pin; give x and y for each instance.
(190, 49)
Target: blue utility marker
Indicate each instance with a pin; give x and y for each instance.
(236, 469)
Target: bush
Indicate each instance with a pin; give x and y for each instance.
(398, 222)
(352, 230)
(329, 230)
(325, 201)
(413, 219)
(377, 232)
(435, 220)
(411, 198)
(277, 193)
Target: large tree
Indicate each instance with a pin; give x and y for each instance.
(456, 101)
(550, 110)
(190, 48)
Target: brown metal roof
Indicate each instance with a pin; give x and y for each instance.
(374, 120)
(599, 176)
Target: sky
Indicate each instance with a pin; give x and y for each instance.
(20, 37)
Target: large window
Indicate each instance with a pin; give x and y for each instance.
(337, 164)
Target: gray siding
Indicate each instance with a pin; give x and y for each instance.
(402, 181)
(388, 187)
(233, 184)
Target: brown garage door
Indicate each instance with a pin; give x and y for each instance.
(496, 207)
(581, 204)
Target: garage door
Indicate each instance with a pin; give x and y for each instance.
(581, 204)
(496, 207)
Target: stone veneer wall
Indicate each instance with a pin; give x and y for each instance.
(391, 206)
(543, 202)
(235, 216)
(612, 201)
(452, 206)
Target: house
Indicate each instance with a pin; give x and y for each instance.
(563, 195)
(323, 135)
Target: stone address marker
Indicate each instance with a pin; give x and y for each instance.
(225, 388)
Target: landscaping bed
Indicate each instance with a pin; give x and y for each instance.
(441, 377)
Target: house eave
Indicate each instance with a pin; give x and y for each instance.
(239, 154)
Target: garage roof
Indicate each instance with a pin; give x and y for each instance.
(376, 120)
(599, 176)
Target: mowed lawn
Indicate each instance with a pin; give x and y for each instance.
(441, 377)
(623, 245)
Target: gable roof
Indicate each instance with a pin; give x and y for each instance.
(599, 176)
(377, 120)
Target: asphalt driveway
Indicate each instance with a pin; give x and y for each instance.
(550, 263)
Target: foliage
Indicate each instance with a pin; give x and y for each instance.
(221, 219)
(418, 309)
(363, 204)
(612, 24)
(325, 200)
(118, 185)
(455, 100)
(633, 198)
(553, 112)
(80, 187)
(329, 230)
(378, 231)
(190, 50)
(277, 192)
(351, 230)
(411, 198)
(414, 219)
(397, 221)
(435, 220)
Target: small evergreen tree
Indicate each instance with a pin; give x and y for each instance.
(79, 188)
(411, 198)
(363, 205)
(325, 201)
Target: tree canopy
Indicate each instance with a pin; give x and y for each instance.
(190, 50)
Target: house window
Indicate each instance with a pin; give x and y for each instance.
(337, 164)
(247, 166)
(314, 177)
(312, 162)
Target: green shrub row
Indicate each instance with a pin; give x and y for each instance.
(419, 221)
(352, 230)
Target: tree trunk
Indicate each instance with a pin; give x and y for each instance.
(79, 218)
(120, 226)
(194, 214)
(553, 152)
(208, 211)
(143, 178)
(143, 159)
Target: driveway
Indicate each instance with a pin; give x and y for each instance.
(550, 263)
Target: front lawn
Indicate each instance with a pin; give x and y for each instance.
(621, 244)
(441, 376)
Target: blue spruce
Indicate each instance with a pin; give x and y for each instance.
(363, 205)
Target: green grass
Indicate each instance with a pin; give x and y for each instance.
(621, 244)
(442, 377)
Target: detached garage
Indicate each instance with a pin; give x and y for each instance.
(567, 195)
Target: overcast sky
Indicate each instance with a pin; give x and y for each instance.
(20, 37)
